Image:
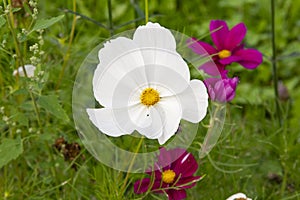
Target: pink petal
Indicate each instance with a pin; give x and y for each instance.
(224, 92)
(167, 157)
(142, 186)
(235, 36)
(221, 90)
(213, 69)
(185, 166)
(211, 81)
(219, 31)
(231, 95)
(156, 173)
(200, 47)
(250, 58)
(230, 59)
(228, 86)
(176, 194)
(164, 158)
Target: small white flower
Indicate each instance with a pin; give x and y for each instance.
(30, 130)
(5, 118)
(2, 109)
(238, 196)
(144, 85)
(29, 70)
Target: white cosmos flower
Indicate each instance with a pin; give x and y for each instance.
(29, 70)
(143, 84)
(238, 196)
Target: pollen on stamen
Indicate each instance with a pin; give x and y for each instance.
(224, 54)
(149, 97)
(168, 176)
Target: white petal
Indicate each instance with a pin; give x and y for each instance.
(158, 47)
(172, 60)
(171, 113)
(117, 58)
(129, 88)
(29, 70)
(194, 101)
(167, 78)
(154, 35)
(112, 122)
(139, 115)
(155, 127)
(237, 196)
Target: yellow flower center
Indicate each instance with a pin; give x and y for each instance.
(168, 176)
(224, 54)
(239, 199)
(149, 97)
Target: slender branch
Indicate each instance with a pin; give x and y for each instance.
(146, 12)
(274, 64)
(110, 22)
(131, 164)
(67, 55)
(85, 17)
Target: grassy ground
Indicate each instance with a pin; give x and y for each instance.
(256, 154)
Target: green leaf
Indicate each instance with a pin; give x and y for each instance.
(45, 23)
(51, 104)
(10, 149)
(2, 21)
(22, 119)
(27, 8)
(15, 10)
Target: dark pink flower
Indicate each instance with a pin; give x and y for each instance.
(228, 48)
(172, 174)
(221, 89)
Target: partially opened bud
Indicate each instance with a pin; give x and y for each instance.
(283, 92)
(221, 89)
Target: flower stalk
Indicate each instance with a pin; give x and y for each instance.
(214, 131)
(67, 55)
(110, 22)
(131, 164)
(146, 12)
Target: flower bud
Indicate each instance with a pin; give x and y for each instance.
(221, 89)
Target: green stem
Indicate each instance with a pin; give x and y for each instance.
(130, 165)
(5, 174)
(284, 179)
(146, 12)
(11, 23)
(284, 158)
(110, 22)
(213, 132)
(67, 55)
(274, 64)
(136, 15)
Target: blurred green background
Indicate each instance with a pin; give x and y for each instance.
(254, 155)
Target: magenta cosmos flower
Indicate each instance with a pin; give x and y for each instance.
(221, 89)
(228, 48)
(173, 173)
